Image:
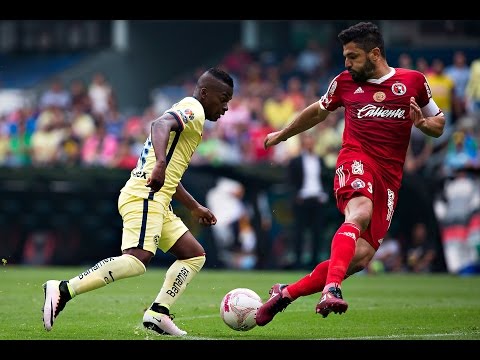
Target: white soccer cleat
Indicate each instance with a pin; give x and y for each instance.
(54, 303)
(161, 323)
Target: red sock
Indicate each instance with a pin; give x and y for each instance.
(342, 252)
(311, 283)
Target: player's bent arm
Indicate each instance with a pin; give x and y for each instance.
(432, 125)
(185, 198)
(432, 121)
(160, 134)
(306, 119)
(198, 211)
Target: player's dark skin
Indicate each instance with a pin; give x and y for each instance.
(214, 96)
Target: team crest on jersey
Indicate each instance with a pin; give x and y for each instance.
(358, 184)
(357, 167)
(399, 88)
(189, 114)
(379, 96)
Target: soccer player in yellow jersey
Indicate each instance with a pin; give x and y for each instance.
(144, 204)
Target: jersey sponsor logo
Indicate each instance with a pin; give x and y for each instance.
(372, 111)
(359, 91)
(179, 280)
(358, 184)
(379, 96)
(156, 238)
(139, 174)
(96, 267)
(399, 88)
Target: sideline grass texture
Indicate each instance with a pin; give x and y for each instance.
(381, 307)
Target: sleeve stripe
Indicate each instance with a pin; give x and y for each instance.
(179, 121)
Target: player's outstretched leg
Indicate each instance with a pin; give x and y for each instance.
(276, 303)
(331, 300)
(56, 297)
(159, 319)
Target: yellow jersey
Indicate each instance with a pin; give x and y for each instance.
(182, 144)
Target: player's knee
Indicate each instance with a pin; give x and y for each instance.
(143, 255)
(197, 262)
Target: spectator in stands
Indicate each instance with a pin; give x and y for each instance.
(124, 158)
(226, 200)
(420, 250)
(100, 93)
(405, 61)
(329, 138)
(19, 152)
(419, 153)
(278, 109)
(295, 93)
(81, 121)
(463, 148)
(50, 133)
(442, 88)
(236, 61)
(56, 95)
(311, 58)
(459, 72)
(473, 89)
(458, 205)
(236, 121)
(100, 148)
(308, 198)
(69, 152)
(388, 258)
(79, 96)
(422, 65)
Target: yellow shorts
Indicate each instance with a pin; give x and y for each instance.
(148, 224)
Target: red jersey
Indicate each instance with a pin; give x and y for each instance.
(377, 117)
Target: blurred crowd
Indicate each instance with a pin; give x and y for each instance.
(80, 124)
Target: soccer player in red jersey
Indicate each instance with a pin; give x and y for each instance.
(381, 105)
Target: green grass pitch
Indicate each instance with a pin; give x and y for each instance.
(381, 307)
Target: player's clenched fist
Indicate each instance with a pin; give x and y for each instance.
(271, 139)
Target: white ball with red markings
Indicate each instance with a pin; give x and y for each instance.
(239, 308)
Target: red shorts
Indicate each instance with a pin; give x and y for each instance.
(355, 178)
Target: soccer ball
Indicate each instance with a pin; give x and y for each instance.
(239, 308)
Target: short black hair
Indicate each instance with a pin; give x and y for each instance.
(221, 75)
(365, 34)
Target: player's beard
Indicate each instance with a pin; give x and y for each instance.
(363, 74)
